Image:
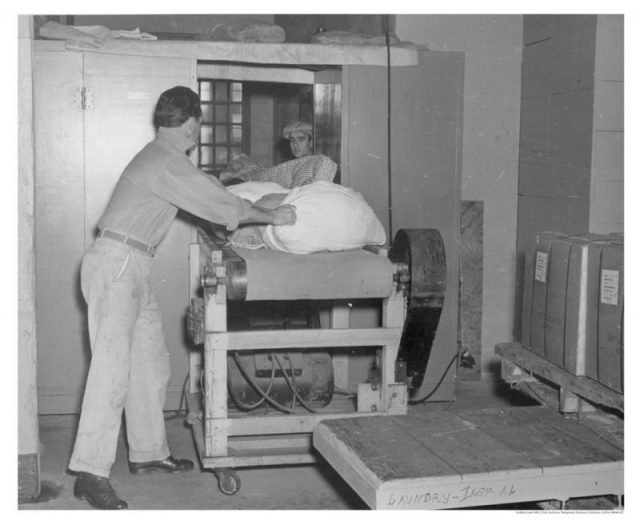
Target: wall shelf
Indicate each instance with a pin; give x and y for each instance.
(258, 53)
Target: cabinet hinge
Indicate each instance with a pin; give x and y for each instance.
(83, 98)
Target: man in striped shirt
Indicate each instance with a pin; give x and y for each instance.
(304, 169)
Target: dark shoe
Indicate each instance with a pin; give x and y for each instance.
(98, 492)
(170, 464)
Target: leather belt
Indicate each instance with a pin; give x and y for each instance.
(146, 248)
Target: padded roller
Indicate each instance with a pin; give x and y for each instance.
(259, 275)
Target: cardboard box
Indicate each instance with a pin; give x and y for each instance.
(554, 318)
(539, 287)
(528, 293)
(610, 316)
(581, 313)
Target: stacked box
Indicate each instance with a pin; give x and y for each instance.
(554, 317)
(573, 304)
(535, 291)
(610, 316)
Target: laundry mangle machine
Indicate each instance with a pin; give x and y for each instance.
(266, 375)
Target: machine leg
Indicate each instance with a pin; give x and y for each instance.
(228, 480)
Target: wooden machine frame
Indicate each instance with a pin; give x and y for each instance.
(226, 442)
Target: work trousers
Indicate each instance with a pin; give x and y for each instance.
(129, 360)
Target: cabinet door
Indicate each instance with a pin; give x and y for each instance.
(119, 123)
(59, 230)
(425, 145)
(83, 153)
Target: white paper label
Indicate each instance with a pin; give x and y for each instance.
(541, 266)
(138, 95)
(609, 287)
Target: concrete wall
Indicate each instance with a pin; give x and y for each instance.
(493, 48)
(606, 210)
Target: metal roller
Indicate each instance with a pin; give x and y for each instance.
(422, 250)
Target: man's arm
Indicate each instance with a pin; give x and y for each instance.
(190, 189)
(280, 216)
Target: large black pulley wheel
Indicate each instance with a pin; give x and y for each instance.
(422, 250)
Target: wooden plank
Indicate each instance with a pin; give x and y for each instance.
(277, 424)
(464, 445)
(28, 433)
(544, 394)
(576, 432)
(543, 436)
(302, 339)
(260, 53)
(240, 73)
(258, 460)
(386, 450)
(591, 503)
(582, 386)
(245, 444)
(435, 494)
(608, 426)
(340, 318)
(348, 464)
(195, 354)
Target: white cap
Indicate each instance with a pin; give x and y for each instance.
(301, 125)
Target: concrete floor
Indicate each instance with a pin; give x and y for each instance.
(300, 487)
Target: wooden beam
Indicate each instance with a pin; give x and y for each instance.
(28, 440)
(258, 53)
(240, 73)
(260, 459)
(282, 424)
(582, 386)
(302, 339)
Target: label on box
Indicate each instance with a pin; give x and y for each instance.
(541, 266)
(609, 287)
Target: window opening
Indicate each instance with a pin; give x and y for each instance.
(221, 133)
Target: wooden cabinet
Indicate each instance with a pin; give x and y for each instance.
(92, 113)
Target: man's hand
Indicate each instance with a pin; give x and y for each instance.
(284, 215)
(270, 201)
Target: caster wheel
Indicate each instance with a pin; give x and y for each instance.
(228, 481)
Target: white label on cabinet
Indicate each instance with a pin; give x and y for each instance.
(541, 266)
(138, 95)
(609, 287)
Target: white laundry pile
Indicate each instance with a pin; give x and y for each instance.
(330, 217)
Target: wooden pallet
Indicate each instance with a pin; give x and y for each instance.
(470, 458)
(593, 404)
(577, 394)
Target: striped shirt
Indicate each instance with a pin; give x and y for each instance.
(296, 172)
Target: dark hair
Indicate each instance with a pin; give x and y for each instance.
(175, 106)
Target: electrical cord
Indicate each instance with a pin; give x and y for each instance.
(389, 200)
(292, 384)
(446, 370)
(241, 404)
(268, 398)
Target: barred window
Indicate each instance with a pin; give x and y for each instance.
(221, 133)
